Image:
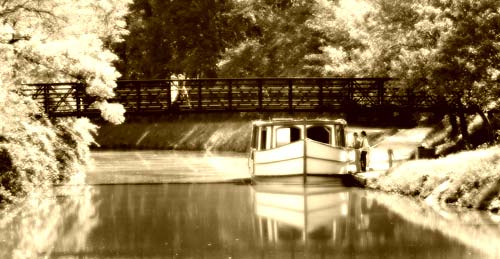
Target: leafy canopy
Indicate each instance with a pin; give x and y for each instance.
(447, 48)
(178, 37)
(61, 41)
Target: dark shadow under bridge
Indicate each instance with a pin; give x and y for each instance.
(236, 95)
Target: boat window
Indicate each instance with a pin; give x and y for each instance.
(319, 133)
(263, 139)
(295, 134)
(287, 135)
(339, 136)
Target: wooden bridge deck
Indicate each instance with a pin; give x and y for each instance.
(234, 95)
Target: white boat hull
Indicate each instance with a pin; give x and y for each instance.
(304, 157)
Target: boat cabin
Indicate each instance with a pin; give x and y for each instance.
(287, 147)
(279, 132)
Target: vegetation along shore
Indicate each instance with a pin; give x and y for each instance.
(467, 179)
(463, 179)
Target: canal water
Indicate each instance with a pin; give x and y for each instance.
(167, 216)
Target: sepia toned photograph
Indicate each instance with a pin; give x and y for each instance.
(249, 129)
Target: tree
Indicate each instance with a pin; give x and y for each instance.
(178, 37)
(453, 52)
(448, 49)
(52, 41)
(63, 40)
(280, 44)
(347, 50)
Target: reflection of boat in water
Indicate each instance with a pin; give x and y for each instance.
(300, 148)
(313, 221)
(300, 213)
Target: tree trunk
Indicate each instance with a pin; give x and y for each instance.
(486, 124)
(463, 126)
(454, 125)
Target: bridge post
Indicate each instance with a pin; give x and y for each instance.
(138, 100)
(290, 96)
(380, 90)
(199, 95)
(169, 95)
(78, 98)
(350, 92)
(230, 94)
(320, 94)
(259, 86)
(46, 100)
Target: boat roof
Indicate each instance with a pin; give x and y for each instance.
(291, 122)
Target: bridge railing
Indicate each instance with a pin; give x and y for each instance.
(238, 95)
(60, 99)
(251, 94)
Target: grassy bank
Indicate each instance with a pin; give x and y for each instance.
(469, 179)
(190, 132)
(214, 132)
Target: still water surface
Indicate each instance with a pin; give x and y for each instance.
(226, 220)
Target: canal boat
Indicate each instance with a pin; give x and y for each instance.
(299, 150)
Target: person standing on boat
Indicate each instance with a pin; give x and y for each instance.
(365, 147)
(356, 145)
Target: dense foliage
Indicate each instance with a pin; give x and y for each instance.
(51, 41)
(178, 37)
(449, 49)
(229, 38)
(280, 45)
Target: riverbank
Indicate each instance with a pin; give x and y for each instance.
(200, 132)
(468, 179)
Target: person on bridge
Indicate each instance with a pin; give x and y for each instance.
(365, 147)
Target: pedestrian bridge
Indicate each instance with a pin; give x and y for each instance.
(235, 95)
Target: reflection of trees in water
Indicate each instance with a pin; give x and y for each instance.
(45, 225)
(174, 220)
(476, 229)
